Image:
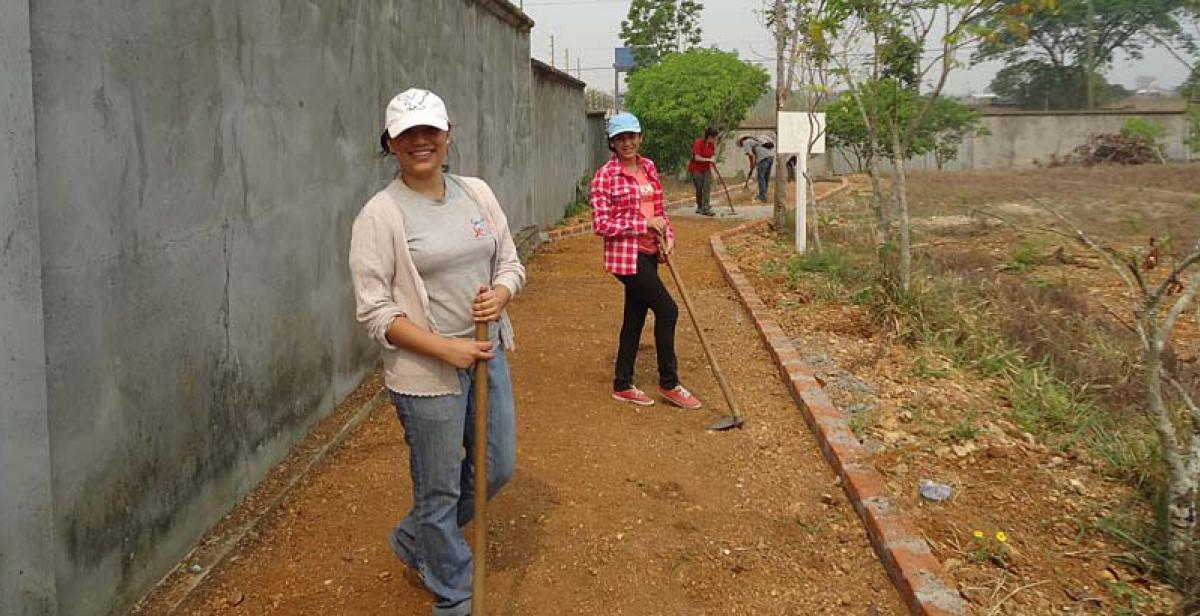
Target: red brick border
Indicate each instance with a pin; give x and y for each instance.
(918, 576)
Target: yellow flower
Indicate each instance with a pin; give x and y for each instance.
(1001, 536)
(979, 534)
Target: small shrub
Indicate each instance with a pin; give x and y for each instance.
(770, 268)
(1141, 128)
(576, 208)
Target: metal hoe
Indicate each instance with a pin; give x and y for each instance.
(730, 421)
(478, 588)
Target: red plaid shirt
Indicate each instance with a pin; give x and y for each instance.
(617, 215)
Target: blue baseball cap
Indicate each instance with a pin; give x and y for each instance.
(623, 122)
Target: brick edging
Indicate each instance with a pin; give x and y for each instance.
(924, 585)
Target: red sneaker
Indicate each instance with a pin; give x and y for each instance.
(634, 395)
(680, 397)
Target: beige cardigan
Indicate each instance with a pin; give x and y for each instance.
(387, 286)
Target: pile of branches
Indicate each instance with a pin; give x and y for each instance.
(1118, 149)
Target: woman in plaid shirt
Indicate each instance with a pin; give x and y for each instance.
(627, 211)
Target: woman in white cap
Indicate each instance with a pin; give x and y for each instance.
(627, 210)
(431, 255)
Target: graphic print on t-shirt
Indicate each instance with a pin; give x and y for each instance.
(479, 228)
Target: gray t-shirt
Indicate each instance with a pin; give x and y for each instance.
(452, 249)
(757, 147)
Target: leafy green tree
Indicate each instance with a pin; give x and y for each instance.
(1069, 40)
(655, 28)
(1034, 84)
(1058, 33)
(940, 132)
(685, 92)
(948, 123)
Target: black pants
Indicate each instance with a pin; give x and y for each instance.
(645, 291)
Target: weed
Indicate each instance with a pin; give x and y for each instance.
(830, 262)
(861, 296)
(1044, 405)
(1024, 259)
(828, 290)
(1130, 599)
(965, 429)
(810, 528)
(992, 549)
(922, 369)
(861, 422)
(1132, 456)
(770, 268)
(581, 202)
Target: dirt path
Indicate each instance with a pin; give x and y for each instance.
(614, 509)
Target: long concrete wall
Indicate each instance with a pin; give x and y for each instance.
(1014, 140)
(182, 244)
(1032, 139)
(559, 128)
(26, 510)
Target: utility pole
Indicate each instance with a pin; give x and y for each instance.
(1091, 55)
(567, 64)
(616, 90)
(578, 68)
(552, 50)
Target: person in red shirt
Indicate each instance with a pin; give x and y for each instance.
(704, 151)
(627, 211)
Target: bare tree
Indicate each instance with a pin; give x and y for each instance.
(863, 79)
(802, 52)
(911, 42)
(1155, 308)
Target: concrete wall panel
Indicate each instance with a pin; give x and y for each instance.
(559, 152)
(200, 165)
(26, 510)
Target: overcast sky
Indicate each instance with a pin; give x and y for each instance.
(590, 29)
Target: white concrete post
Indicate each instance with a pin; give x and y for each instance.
(801, 134)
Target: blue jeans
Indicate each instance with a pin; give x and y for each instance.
(437, 429)
(764, 177)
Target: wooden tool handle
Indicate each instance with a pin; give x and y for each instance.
(712, 358)
(478, 587)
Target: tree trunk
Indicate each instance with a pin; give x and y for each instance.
(814, 217)
(780, 181)
(781, 95)
(1181, 485)
(900, 190)
(883, 222)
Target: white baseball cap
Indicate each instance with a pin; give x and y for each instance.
(415, 107)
